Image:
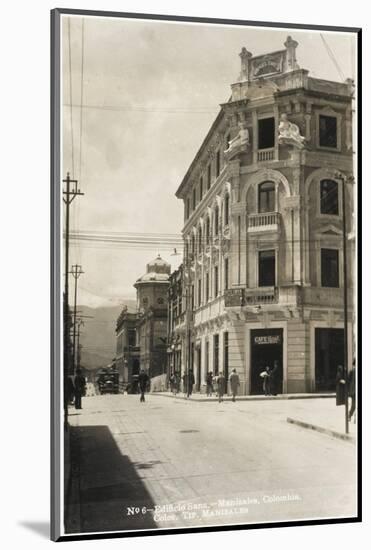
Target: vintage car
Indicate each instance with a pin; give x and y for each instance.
(108, 381)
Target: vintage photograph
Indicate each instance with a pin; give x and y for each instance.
(207, 187)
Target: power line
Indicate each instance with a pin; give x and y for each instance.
(140, 109)
(71, 110)
(332, 57)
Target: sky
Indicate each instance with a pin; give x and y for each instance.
(149, 92)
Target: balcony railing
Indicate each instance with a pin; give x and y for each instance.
(261, 296)
(237, 297)
(265, 221)
(265, 154)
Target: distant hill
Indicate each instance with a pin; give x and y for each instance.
(98, 337)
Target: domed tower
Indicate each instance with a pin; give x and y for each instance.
(152, 304)
(152, 286)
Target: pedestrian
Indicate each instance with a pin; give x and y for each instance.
(185, 384)
(234, 381)
(143, 381)
(215, 384)
(221, 386)
(176, 383)
(273, 379)
(172, 383)
(352, 389)
(340, 386)
(191, 381)
(80, 388)
(209, 384)
(266, 380)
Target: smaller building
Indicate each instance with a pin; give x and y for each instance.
(127, 350)
(142, 336)
(176, 318)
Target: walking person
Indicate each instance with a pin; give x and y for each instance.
(80, 388)
(176, 383)
(191, 381)
(209, 384)
(352, 389)
(143, 381)
(340, 386)
(185, 384)
(234, 381)
(221, 386)
(273, 379)
(266, 381)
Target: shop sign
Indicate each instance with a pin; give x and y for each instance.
(267, 339)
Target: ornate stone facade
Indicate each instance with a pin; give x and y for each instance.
(268, 226)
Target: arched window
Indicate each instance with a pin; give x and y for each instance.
(216, 220)
(266, 197)
(199, 240)
(226, 210)
(329, 197)
(193, 242)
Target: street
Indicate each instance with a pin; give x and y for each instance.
(175, 463)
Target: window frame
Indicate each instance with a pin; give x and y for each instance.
(329, 249)
(274, 197)
(261, 119)
(329, 112)
(274, 250)
(339, 205)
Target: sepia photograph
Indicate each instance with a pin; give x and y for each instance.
(205, 343)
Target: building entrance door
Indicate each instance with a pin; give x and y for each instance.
(266, 351)
(329, 354)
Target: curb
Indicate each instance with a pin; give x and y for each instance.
(283, 397)
(326, 431)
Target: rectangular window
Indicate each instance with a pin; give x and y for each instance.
(193, 297)
(327, 131)
(207, 288)
(266, 130)
(216, 353)
(267, 268)
(201, 188)
(217, 163)
(199, 291)
(187, 209)
(226, 273)
(226, 355)
(329, 267)
(329, 197)
(193, 199)
(266, 197)
(209, 176)
(216, 281)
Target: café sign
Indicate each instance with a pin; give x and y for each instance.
(267, 339)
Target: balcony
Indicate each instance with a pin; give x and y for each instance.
(238, 297)
(267, 221)
(265, 155)
(261, 296)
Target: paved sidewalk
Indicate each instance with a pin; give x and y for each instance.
(201, 397)
(325, 417)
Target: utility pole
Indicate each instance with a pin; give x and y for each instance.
(80, 323)
(76, 271)
(69, 193)
(343, 180)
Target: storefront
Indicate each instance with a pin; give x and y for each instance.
(266, 350)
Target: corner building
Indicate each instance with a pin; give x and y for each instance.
(263, 229)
